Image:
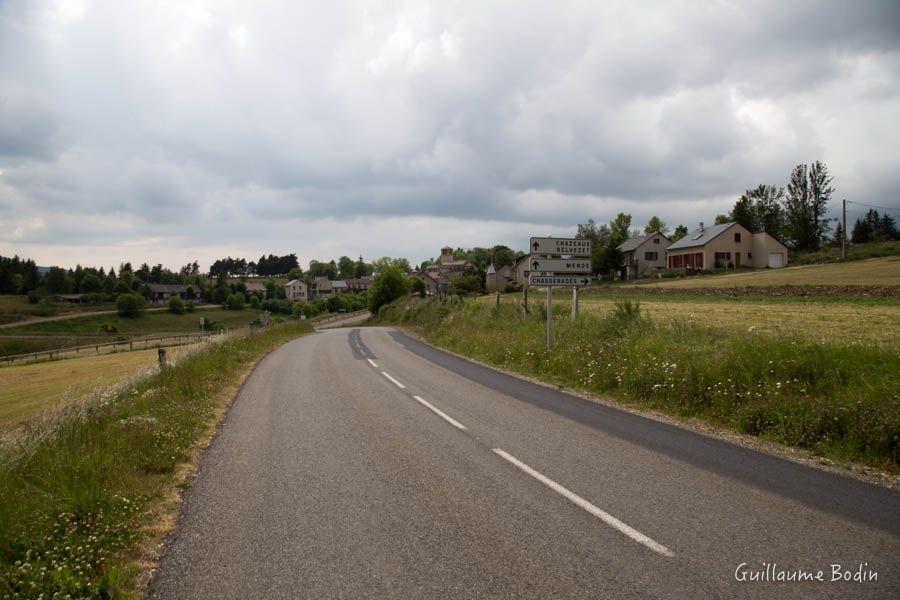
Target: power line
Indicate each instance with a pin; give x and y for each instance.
(872, 205)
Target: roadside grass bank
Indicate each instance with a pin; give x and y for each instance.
(842, 402)
(78, 494)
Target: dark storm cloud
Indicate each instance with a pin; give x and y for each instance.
(241, 117)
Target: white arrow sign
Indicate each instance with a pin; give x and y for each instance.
(559, 265)
(558, 280)
(564, 246)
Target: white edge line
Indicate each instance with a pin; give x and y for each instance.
(441, 414)
(372, 362)
(397, 383)
(581, 502)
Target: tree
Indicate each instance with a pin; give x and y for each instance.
(389, 284)
(862, 232)
(130, 305)
(346, 267)
(55, 281)
(656, 224)
(722, 219)
(838, 238)
(176, 304)
(805, 205)
(759, 209)
(679, 233)
(362, 269)
(386, 261)
(91, 284)
(235, 301)
(417, 286)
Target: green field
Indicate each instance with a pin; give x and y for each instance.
(14, 308)
(148, 324)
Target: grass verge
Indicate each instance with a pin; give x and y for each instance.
(839, 401)
(78, 496)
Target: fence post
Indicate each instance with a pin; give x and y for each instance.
(161, 355)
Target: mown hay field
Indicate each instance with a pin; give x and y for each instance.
(817, 321)
(874, 271)
(26, 390)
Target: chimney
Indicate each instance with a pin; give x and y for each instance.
(701, 225)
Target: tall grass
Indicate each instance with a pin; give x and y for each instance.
(75, 495)
(840, 401)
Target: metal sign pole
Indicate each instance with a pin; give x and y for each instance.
(574, 303)
(549, 317)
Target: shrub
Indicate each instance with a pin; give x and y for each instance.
(46, 308)
(109, 328)
(254, 301)
(235, 301)
(189, 306)
(33, 297)
(176, 304)
(466, 284)
(130, 305)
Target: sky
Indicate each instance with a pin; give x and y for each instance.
(173, 131)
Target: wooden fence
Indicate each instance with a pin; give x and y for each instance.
(157, 341)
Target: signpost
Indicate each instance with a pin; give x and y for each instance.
(555, 265)
(560, 246)
(577, 280)
(202, 324)
(565, 261)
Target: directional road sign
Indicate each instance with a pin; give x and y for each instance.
(558, 280)
(563, 246)
(559, 265)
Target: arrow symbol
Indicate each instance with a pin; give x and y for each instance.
(585, 281)
(535, 264)
(536, 246)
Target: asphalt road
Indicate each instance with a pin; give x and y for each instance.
(330, 480)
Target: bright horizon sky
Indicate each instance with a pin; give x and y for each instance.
(194, 130)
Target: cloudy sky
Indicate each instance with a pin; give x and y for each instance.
(172, 131)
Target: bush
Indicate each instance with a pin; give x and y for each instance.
(33, 297)
(466, 284)
(46, 308)
(389, 285)
(254, 301)
(189, 306)
(109, 328)
(130, 305)
(235, 301)
(176, 305)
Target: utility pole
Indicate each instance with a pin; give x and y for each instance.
(844, 231)
(549, 317)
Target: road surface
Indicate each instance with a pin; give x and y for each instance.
(361, 463)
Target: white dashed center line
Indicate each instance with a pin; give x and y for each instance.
(441, 414)
(372, 362)
(581, 502)
(394, 381)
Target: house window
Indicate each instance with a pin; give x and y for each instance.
(737, 237)
(723, 255)
(749, 256)
(655, 240)
(651, 255)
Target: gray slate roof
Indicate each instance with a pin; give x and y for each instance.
(699, 238)
(633, 242)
